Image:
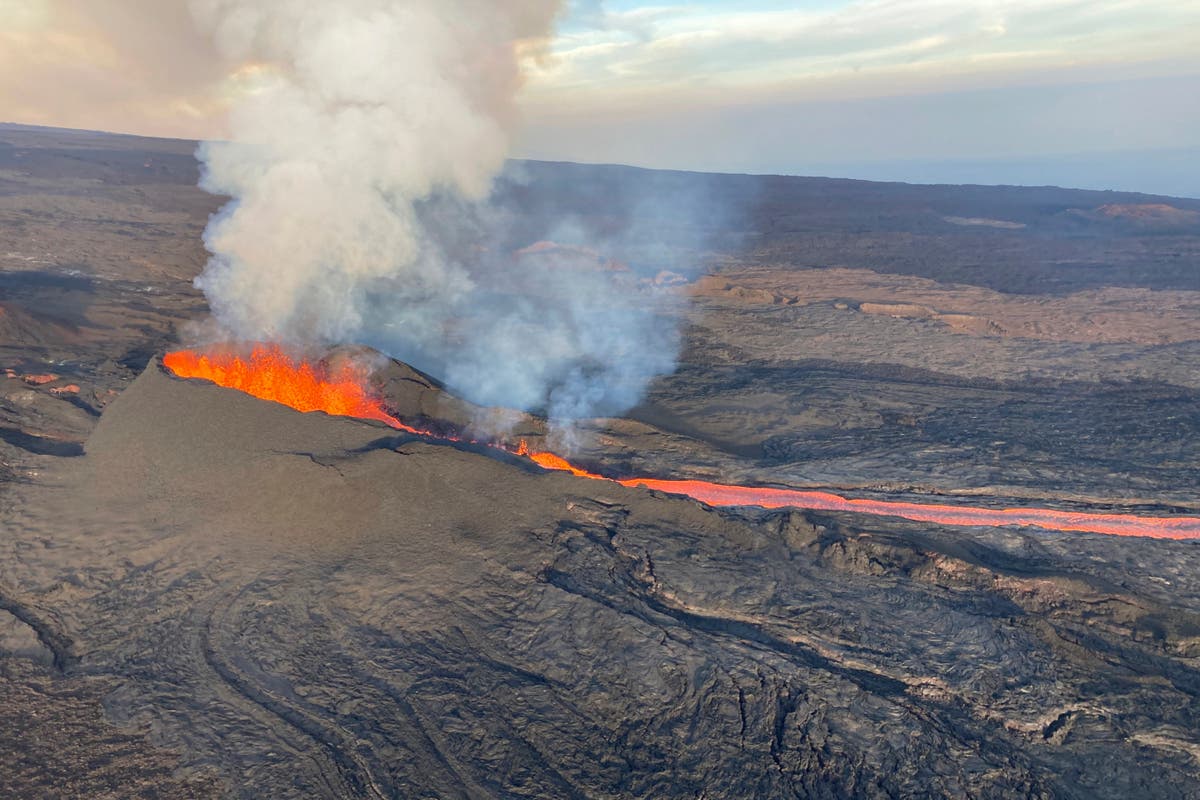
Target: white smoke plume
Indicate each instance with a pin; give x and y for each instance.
(362, 114)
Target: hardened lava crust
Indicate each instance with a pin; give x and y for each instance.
(203, 594)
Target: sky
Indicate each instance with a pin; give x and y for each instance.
(1088, 93)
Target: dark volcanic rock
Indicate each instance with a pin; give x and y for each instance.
(223, 597)
(298, 610)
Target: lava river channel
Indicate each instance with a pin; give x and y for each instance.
(269, 373)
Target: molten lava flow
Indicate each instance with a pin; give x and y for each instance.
(724, 495)
(717, 494)
(271, 374)
(556, 462)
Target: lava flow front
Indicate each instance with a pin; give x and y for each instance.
(270, 374)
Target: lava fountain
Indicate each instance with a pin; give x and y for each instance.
(269, 373)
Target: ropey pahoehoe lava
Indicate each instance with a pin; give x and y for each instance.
(269, 372)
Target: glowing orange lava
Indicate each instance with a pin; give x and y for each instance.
(716, 494)
(271, 374)
(553, 461)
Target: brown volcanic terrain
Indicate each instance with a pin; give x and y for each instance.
(1108, 315)
(202, 594)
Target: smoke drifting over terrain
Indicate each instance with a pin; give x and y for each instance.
(367, 119)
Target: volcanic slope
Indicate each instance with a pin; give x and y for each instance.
(298, 605)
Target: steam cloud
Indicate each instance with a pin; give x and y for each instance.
(360, 164)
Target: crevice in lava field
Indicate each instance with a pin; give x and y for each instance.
(59, 645)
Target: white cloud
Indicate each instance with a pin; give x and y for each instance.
(640, 56)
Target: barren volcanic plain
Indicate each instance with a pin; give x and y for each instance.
(204, 594)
